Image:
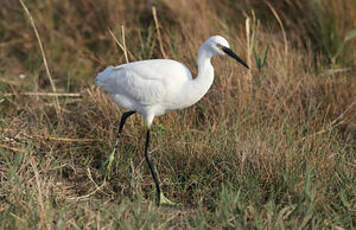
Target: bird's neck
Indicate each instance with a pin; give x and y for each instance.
(205, 76)
(200, 85)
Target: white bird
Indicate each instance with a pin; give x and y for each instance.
(154, 87)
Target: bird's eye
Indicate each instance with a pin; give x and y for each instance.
(219, 45)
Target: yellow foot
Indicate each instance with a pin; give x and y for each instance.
(166, 201)
(109, 165)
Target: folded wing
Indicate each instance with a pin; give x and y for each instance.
(144, 82)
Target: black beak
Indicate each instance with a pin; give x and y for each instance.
(231, 53)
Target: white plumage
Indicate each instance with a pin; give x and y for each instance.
(154, 87)
(149, 87)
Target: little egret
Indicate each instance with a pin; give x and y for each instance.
(154, 87)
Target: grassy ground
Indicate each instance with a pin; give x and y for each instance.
(270, 148)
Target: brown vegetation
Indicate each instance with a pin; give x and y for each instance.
(270, 148)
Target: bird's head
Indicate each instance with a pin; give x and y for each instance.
(218, 45)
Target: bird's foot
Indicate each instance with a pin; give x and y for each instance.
(109, 165)
(166, 201)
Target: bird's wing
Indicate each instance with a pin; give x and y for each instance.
(144, 81)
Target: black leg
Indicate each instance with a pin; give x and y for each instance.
(122, 122)
(152, 168)
(112, 155)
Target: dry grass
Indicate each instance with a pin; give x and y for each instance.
(273, 148)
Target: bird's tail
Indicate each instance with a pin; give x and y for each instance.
(103, 76)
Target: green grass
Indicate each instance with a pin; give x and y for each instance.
(273, 148)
